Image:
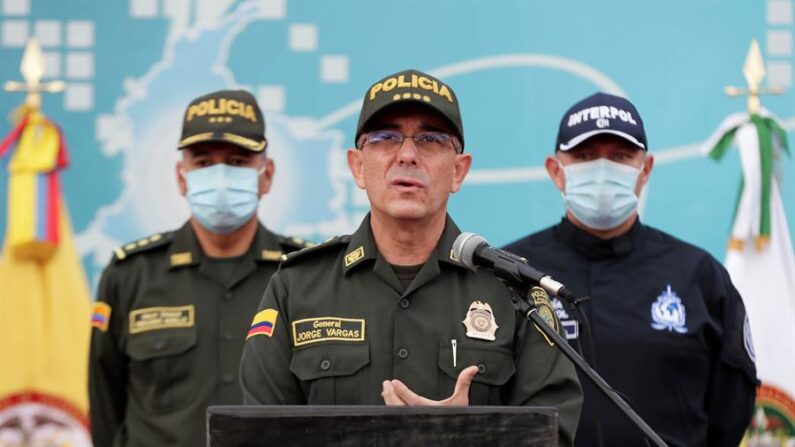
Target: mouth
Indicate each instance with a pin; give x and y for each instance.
(407, 184)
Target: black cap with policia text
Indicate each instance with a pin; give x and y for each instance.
(226, 116)
(411, 86)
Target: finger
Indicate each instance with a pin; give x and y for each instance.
(461, 392)
(408, 396)
(389, 395)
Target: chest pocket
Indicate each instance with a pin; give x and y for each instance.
(161, 368)
(495, 368)
(327, 372)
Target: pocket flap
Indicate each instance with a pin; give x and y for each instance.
(160, 343)
(495, 365)
(329, 359)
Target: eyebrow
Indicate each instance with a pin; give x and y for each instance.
(432, 128)
(424, 127)
(197, 152)
(244, 153)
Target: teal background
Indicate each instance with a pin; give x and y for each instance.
(672, 58)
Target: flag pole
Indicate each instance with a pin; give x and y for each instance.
(760, 257)
(44, 293)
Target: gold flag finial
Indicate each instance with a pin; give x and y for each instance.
(32, 69)
(754, 72)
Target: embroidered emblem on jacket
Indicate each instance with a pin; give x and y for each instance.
(570, 325)
(155, 318)
(748, 340)
(668, 312)
(321, 329)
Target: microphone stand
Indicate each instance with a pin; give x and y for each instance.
(530, 312)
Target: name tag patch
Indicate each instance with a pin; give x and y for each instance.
(313, 330)
(153, 318)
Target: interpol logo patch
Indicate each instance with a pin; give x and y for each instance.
(668, 312)
(313, 330)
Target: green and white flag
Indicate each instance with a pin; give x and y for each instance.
(761, 263)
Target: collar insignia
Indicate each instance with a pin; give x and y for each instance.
(354, 256)
(183, 258)
(271, 255)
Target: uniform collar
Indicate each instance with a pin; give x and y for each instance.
(593, 247)
(185, 250)
(362, 251)
(361, 247)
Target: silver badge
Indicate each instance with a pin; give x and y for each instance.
(480, 322)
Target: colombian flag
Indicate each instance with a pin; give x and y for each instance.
(100, 316)
(263, 323)
(44, 295)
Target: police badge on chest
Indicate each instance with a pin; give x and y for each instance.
(480, 322)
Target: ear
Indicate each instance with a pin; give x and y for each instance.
(643, 178)
(182, 184)
(356, 165)
(460, 170)
(266, 179)
(555, 173)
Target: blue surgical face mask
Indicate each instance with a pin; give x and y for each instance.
(222, 197)
(601, 193)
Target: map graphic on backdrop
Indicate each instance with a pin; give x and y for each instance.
(133, 65)
(309, 63)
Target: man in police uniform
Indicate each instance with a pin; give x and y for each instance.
(668, 329)
(173, 308)
(386, 315)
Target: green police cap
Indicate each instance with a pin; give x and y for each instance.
(411, 86)
(227, 116)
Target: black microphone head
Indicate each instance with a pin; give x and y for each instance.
(464, 248)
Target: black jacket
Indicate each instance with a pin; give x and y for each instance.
(667, 329)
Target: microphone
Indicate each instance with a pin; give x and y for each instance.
(472, 250)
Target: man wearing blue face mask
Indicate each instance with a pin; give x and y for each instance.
(667, 329)
(173, 308)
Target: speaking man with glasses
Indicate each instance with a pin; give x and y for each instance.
(385, 315)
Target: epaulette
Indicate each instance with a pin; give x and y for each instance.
(141, 245)
(315, 249)
(293, 243)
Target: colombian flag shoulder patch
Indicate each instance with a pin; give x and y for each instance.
(264, 323)
(100, 316)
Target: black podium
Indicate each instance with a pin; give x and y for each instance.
(319, 426)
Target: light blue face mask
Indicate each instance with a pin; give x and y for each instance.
(601, 193)
(222, 197)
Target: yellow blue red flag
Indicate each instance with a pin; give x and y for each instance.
(44, 298)
(263, 323)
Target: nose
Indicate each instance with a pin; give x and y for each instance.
(408, 154)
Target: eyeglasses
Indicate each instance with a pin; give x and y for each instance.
(426, 142)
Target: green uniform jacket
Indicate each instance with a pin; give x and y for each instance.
(335, 322)
(171, 341)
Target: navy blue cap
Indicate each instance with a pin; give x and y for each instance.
(599, 114)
